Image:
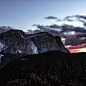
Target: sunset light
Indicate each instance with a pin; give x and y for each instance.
(77, 50)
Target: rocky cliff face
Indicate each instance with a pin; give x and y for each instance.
(46, 42)
(16, 41)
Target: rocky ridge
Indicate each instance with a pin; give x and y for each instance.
(46, 42)
(16, 41)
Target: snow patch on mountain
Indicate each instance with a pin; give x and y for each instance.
(1, 56)
(19, 51)
(22, 36)
(1, 46)
(34, 48)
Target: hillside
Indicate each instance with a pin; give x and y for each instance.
(7, 57)
(53, 68)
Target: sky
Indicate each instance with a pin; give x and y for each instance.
(52, 16)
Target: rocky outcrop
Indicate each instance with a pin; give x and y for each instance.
(16, 41)
(46, 42)
(61, 46)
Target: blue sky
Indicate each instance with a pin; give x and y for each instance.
(24, 13)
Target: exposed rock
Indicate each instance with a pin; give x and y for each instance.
(16, 41)
(46, 42)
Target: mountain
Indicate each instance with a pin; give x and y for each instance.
(16, 41)
(46, 42)
(52, 68)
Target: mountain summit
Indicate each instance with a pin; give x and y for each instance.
(16, 41)
(46, 42)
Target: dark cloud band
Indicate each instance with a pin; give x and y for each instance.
(65, 31)
(51, 17)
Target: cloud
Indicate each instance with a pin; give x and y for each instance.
(59, 20)
(80, 16)
(77, 38)
(54, 26)
(48, 29)
(67, 18)
(81, 35)
(62, 29)
(4, 28)
(77, 46)
(84, 22)
(75, 41)
(74, 36)
(34, 24)
(51, 17)
(73, 50)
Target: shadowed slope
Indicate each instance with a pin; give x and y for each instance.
(50, 68)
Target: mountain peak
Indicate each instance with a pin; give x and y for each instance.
(16, 41)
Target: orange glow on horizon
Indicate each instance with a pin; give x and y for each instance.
(77, 50)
